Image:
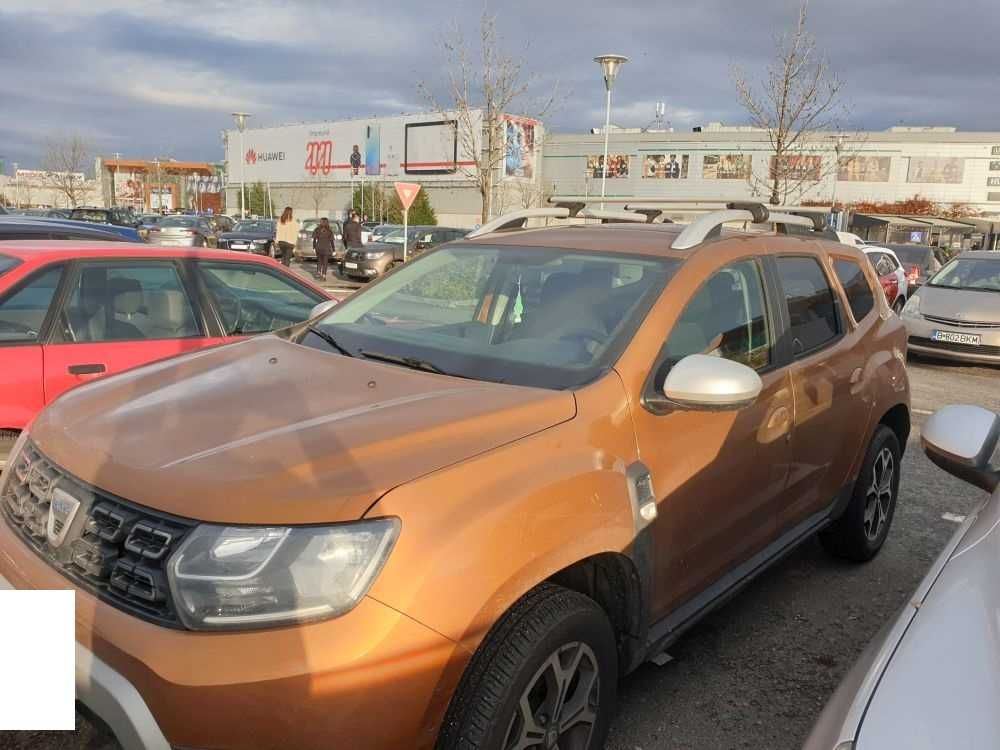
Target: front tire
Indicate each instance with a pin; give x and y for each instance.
(545, 676)
(860, 533)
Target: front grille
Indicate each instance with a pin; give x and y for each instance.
(354, 255)
(960, 323)
(112, 548)
(948, 346)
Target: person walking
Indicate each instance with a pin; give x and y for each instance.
(287, 235)
(352, 232)
(323, 245)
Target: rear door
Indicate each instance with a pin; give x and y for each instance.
(24, 318)
(830, 413)
(119, 314)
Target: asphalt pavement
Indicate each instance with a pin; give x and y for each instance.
(757, 672)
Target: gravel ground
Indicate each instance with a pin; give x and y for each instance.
(757, 672)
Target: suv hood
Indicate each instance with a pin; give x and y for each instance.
(960, 304)
(266, 431)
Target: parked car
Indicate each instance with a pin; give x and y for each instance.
(115, 216)
(183, 231)
(472, 495)
(3, 210)
(27, 228)
(304, 246)
(929, 679)
(221, 223)
(58, 213)
(956, 315)
(379, 231)
(147, 222)
(891, 275)
(250, 236)
(919, 261)
(375, 259)
(70, 312)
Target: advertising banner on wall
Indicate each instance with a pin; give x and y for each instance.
(725, 167)
(424, 144)
(617, 165)
(947, 170)
(863, 169)
(130, 189)
(797, 167)
(519, 147)
(665, 166)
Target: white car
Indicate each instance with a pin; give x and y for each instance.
(888, 267)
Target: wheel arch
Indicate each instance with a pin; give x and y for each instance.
(897, 419)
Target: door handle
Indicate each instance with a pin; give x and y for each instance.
(91, 369)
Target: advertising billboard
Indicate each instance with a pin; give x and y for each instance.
(348, 150)
(665, 166)
(946, 170)
(797, 167)
(617, 165)
(519, 150)
(725, 167)
(863, 169)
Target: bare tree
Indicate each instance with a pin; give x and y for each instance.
(64, 160)
(797, 100)
(483, 84)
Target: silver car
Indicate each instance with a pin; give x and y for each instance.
(930, 679)
(183, 231)
(957, 313)
(304, 246)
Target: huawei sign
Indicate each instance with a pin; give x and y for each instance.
(251, 156)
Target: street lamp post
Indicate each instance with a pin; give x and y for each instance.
(838, 146)
(114, 179)
(159, 188)
(241, 125)
(17, 188)
(609, 64)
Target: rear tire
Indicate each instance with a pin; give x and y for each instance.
(546, 673)
(860, 533)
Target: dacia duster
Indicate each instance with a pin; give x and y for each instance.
(454, 510)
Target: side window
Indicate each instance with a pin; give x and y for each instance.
(23, 311)
(859, 294)
(129, 302)
(812, 306)
(254, 299)
(727, 317)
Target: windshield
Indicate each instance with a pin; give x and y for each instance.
(7, 263)
(913, 256)
(89, 215)
(260, 227)
(969, 273)
(179, 221)
(528, 316)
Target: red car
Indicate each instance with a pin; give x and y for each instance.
(71, 312)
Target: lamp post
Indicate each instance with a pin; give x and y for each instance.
(241, 125)
(838, 146)
(17, 188)
(159, 188)
(609, 64)
(114, 176)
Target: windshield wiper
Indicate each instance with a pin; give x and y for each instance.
(328, 339)
(414, 363)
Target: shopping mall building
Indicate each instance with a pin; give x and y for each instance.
(317, 167)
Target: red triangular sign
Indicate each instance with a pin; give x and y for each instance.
(407, 191)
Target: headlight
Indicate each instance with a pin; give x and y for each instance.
(238, 577)
(912, 307)
(374, 256)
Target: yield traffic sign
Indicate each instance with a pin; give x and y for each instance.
(407, 191)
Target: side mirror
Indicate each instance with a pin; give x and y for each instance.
(961, 439)
(702, 382)
(322, 308)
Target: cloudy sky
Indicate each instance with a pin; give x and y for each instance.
(160, 78)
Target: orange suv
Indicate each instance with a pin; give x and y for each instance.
(454, 510)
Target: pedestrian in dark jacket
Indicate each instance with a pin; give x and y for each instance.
(323, 245)
(352, 232)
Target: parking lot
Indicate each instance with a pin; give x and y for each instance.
(756, 673)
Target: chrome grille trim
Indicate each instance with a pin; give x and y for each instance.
(960, 323)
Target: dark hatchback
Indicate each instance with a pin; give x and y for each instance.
(33, 228)
(250, 236)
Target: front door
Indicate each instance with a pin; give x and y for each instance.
(718, 475)
(118, 315)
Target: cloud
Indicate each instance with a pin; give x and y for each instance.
(159, 78)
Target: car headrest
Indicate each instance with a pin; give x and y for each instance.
(126, 295)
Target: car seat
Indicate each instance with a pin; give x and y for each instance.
(170, 315)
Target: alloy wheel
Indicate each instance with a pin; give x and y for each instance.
(878, 499)
(558, 710)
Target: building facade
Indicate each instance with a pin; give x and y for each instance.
(34, 188)
(160, 184)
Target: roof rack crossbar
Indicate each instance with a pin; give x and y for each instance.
(517, 219)
(709, 226)
(613, 216)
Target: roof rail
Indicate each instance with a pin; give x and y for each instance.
(612, 216)
(709, 226)
(517, 219)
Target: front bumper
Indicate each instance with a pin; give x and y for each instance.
(373, 678)
(366, 269)
(920, 331)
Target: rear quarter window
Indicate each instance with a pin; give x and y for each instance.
(852, 277)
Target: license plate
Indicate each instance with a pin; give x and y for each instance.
(239, 246)
(957, 338)
(351, 265)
